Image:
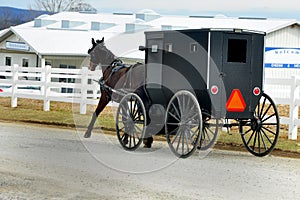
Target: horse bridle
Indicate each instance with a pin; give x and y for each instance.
(93, 60)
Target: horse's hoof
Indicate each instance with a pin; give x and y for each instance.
(148, 142)
(125, 141)
(147, 145)
(87, 134)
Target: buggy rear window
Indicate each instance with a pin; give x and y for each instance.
(237, 50)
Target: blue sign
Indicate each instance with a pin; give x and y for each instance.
(278, 57)
(17, 46)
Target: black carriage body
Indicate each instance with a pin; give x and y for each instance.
(213, 64)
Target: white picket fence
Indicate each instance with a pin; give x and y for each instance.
(51, 84)
(286, 92)
(83, 90)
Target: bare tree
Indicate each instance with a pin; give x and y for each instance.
(83, 7)
(54, 6)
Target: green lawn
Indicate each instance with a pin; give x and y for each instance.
(67, 115)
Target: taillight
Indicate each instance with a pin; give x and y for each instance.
(214, 89)
(256, 91)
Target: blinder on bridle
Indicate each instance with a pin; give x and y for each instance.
(98, 49)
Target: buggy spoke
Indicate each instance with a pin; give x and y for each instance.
(250, 138)
(178, 141)
(270, 131)
(187, 142)
(254, 141)
(265, 134)
(268, 117)
(206, 137)
(175, 117)
(137, 127)
(263, 140)
(262, 107)
(266, 111)
(176, 136)
(247, 131)
(173, 124)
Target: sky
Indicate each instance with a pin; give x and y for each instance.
(233, 8)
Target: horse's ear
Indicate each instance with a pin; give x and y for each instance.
(93, 42)
(100, 41)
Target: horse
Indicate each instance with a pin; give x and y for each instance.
(115, 76)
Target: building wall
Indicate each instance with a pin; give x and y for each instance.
(70, 61)
(17, 58)
(286, 37)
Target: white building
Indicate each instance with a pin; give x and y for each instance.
(62, 39)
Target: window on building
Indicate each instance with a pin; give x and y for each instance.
(8, 61)
(67, 80)
(48, 62)
(25, 62)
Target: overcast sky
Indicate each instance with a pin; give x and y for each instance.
(253, 8)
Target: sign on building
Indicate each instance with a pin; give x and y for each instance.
(276, 57)
(17, 46)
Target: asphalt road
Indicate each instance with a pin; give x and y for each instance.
(50, 163)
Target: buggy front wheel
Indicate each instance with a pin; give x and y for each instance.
(260, 134)
(131, 121)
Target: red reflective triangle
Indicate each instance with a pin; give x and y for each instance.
(236, 102)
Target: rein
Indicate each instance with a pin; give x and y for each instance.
(102, 82)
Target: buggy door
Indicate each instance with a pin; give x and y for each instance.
(154, 59)
(236, 69)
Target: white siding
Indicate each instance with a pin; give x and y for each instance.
(17, 58)
(286, 37)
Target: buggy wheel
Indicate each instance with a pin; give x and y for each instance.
(131, 121)
(209, 131)
(260, 134)
(183, 124)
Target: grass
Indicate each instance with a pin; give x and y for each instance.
(67, 115)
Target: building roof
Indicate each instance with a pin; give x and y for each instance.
(70, 33)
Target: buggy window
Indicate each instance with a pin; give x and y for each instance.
(237, 50)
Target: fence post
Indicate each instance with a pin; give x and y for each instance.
(47, 82)
(84, 86)
(14, 98)
(292, 135)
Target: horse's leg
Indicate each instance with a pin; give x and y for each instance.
(104, 100)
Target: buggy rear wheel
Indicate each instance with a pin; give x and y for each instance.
(260, 134)
(209, 131)
(183, 124)
(131, 121)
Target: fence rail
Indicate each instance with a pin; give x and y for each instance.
(288, 94)
(51, 84)
(76, 86)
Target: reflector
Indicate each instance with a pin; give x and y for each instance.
(236, 102)
(214, 89)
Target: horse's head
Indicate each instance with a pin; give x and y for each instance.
(99, 54)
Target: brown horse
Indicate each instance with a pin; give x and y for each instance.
(115, 76)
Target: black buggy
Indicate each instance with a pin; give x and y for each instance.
(196, 82)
